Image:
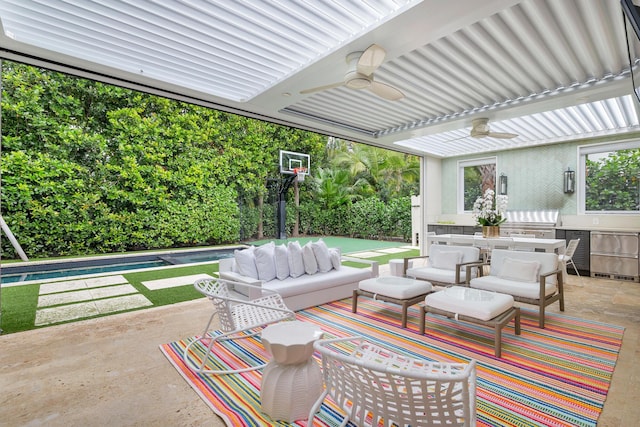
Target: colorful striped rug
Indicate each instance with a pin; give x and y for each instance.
(557, 376)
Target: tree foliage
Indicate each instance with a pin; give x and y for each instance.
(613, 182)
(92, 168)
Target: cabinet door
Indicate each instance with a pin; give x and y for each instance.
(456, 229)
(583, 253)
(471, 230)
(440, 229)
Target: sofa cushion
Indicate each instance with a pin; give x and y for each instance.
(306, 284)
(446, 260)
(296, 264)
(334, 254)
(246, 262)
(281, 256)
(321, 252)
(265, 261)
(309, 259)
(520, 270)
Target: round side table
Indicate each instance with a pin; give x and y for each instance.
(292, 380)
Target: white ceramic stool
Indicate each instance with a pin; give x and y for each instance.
(292, 380)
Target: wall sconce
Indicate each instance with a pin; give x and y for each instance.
(502, 185)
(569, 181)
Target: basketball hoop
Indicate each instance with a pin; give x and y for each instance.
(299, 173)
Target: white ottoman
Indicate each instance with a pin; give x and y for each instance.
(474, 306)
(292, 380)
(397, 290)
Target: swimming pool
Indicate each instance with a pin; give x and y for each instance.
(27, 272)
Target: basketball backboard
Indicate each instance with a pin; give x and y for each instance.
(293, 163)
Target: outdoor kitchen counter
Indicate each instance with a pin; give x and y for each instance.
(547, 245)
(598, 228)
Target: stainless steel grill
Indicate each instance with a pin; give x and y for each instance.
(542, 224)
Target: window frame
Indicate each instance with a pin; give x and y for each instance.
(460, 184)
(583, 152)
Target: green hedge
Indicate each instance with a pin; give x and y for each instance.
(368, 219)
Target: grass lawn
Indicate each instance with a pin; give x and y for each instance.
(20, 303)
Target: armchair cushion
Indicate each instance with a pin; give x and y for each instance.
(530, 290)
(520, 270)
(446, 260)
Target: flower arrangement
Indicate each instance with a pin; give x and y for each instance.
(489, 209)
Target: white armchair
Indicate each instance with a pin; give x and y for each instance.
(445, 265)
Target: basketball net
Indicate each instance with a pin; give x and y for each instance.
(300, 173)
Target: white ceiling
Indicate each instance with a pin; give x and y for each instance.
(550, 71)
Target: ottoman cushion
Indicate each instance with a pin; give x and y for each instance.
(395, 287)
(470, 302)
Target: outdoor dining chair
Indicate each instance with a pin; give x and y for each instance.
(567, 258)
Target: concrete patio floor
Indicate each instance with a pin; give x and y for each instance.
(110, 372)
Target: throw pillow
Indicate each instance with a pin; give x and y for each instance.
(519, 270)
(309, 258)
(296, 264)
(265, 261)
(282, 261)
(246, 262)
(321, 251)
(334, 253)
(446, 260)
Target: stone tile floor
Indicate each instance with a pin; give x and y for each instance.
(109, 371)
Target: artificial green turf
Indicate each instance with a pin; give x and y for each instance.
(170, 295)
(19, 308)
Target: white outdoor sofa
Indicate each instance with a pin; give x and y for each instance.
(304, 290)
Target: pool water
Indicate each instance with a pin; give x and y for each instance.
(81, 271)
(15, 274)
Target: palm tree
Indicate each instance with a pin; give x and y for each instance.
(333, 187)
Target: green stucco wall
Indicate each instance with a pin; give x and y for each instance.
(535, 177)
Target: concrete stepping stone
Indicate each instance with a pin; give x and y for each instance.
(72, 285)
(367, 254)
(172, 282)
(128, 302)
(84, 295)
(392, 250)
(63, 313)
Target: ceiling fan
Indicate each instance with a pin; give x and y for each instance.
(480, 129)
(360, 68)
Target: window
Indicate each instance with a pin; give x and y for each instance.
(611, 177)
(476, 176)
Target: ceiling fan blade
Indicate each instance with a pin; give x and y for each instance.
(371, 59)
(320, 88)
(502, 135)
(385, 91)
